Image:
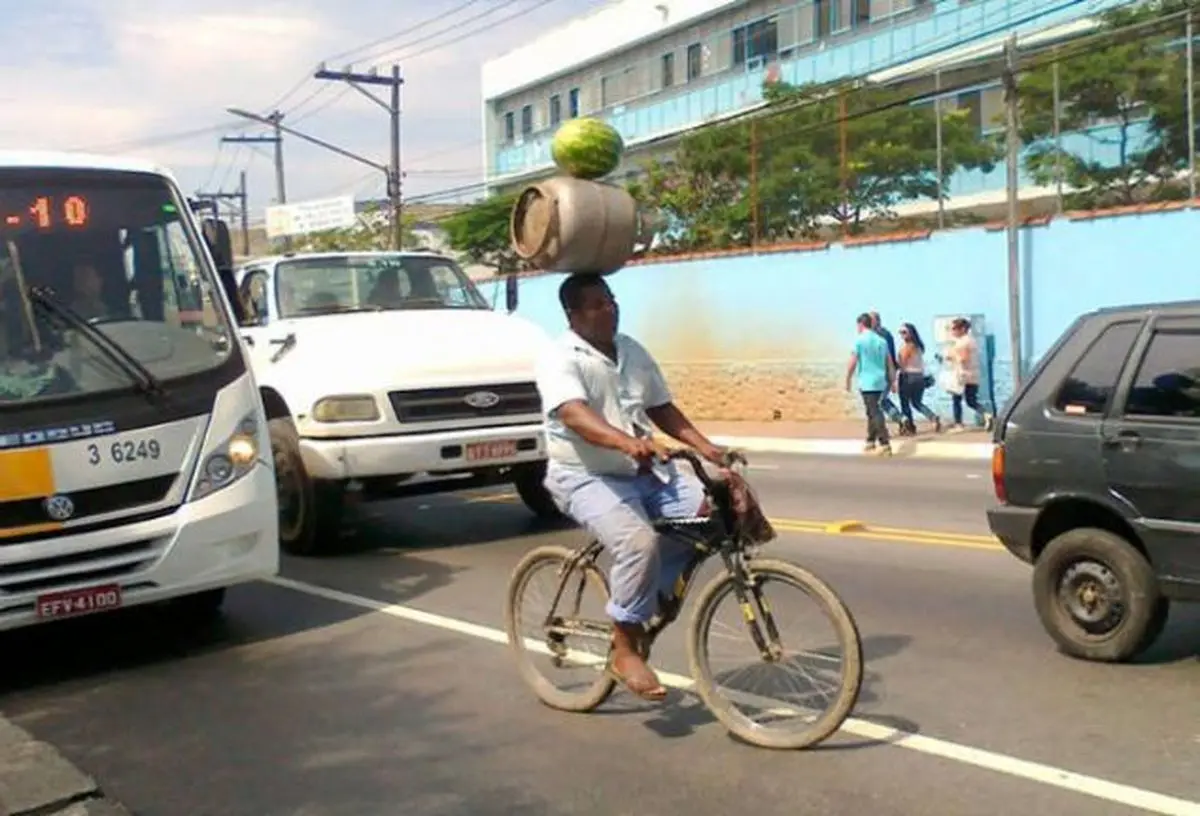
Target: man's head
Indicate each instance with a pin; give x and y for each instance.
(590, 306)
(864, 322)
(876, 321)
(960, 326)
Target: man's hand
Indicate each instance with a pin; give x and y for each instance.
(644, 450)
(714, 453)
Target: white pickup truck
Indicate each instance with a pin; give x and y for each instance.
(387, 374)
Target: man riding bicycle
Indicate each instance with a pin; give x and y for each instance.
(600, 390)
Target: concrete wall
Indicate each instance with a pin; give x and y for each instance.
(762, 337)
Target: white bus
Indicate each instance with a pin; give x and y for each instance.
(135, 465)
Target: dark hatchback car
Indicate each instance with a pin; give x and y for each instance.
(1097, 469)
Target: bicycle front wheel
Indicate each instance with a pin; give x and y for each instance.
(791, 713)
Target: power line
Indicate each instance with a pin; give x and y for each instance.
(402, 32)
(470, 34)
(386, 53)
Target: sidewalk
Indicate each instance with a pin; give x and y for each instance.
(844, 438)
(36, 780)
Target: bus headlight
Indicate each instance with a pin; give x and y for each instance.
(233, 459)
(350, 408)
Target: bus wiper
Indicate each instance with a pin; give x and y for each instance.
(146, 382)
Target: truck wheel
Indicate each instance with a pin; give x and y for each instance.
(310, 510)
(1097, 596)
(529, 481)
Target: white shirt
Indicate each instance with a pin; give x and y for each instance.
(967, 358)
(572, 369)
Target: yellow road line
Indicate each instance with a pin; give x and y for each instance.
(848, 528)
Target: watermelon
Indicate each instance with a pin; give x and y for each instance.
(587, 148)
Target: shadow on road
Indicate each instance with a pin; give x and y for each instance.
(684, 713)
(1180, 641)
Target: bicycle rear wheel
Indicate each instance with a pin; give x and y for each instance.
(564, 662)
(815, 725)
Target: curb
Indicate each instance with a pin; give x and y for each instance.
(37, 780)
(908, 448)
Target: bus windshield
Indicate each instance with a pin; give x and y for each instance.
(340, 283)
(116, 250)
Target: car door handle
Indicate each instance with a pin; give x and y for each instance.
(1125, 440)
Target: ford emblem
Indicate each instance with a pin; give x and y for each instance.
(482, 399)
(59, 508)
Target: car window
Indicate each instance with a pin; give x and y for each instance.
(1088, 389)
(1168, 379)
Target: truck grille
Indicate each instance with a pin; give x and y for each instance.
(94, 502)
(466, 402)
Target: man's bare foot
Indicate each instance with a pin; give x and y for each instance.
(628, 666)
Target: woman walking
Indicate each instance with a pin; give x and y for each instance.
(966, 365)
(911, 379)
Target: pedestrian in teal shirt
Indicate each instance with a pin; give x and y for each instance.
(872, 369)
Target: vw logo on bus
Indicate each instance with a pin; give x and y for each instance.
(59, 508)
(482, 399)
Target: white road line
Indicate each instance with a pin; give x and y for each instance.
(1138, 798)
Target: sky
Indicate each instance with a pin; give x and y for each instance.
(153, 78)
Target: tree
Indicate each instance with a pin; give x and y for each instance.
(784, 173)
(481, 233)
(1127, 94)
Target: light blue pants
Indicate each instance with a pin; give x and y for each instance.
(618, 510)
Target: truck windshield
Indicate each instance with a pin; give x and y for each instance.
(331, 284)
(114, 249)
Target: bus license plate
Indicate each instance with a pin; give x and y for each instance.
(79, 601)
(491, 450)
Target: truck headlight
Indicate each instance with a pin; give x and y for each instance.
(352, 408)
(233, 459)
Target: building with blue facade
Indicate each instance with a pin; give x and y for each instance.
(656, 69)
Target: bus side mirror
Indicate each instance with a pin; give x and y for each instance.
(510, 293)
(216, 235)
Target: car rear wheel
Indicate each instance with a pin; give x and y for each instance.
(1097, 596)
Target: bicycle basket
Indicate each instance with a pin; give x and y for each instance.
(752, 524)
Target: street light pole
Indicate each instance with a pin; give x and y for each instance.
(394, 175)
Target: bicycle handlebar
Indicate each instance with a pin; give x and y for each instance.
(732, 458)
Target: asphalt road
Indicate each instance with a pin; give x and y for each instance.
(331, 695)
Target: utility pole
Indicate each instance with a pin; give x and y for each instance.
(392, 106)
(239, 196)
(274, 121)
(1014, 254)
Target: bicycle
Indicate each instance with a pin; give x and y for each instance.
(719, 535)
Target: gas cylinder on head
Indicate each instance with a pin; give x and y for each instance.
(566, 224)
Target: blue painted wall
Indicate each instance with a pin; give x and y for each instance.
(780, 318)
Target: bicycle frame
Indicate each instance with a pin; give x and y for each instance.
(724, 542)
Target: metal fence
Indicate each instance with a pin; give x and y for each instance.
(1102, 119)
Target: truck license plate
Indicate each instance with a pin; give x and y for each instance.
(479, 451)
(79, 601)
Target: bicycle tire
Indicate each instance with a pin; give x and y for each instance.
(848, 638)
(546, 691)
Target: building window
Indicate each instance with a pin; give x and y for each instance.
(972, 102)
(555, 110)
(824, 12)
(509, 131)
(695, 60)
(605, 92)
(757, 43)
(573, 103)
(668, 70)
(527, 120)
(861, 9)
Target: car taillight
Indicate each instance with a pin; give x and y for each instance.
(998, 473)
